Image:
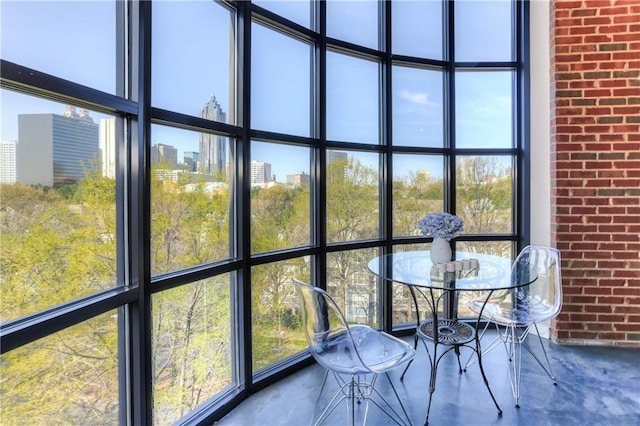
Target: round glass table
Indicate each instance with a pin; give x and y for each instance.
(440, 285)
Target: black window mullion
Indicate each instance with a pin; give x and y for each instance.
(139, 218)
(244, 345)
(386, 164)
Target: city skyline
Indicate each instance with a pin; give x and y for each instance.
(34, 38)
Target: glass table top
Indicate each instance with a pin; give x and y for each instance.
(416, 268)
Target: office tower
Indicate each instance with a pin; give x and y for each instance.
(261, 173)
(168, 155)
(213, 148)
(8, 161)
(108, 147)
(54, 149)
(299, 179)
(190, 159)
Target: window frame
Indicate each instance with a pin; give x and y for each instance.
(132, 105)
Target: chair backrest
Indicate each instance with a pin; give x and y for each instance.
(327, 332)
(542, 299)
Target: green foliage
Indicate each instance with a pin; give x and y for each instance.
(352, 201)
(59, 244)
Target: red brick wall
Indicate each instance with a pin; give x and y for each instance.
(595, 166)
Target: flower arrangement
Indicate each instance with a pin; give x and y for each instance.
(441, 225)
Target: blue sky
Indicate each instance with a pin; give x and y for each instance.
(191, 56)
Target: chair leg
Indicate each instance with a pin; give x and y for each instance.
(491, 346)
(548, 368)
(516, 364)
(354, 391)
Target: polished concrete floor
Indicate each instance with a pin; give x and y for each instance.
(596, 386)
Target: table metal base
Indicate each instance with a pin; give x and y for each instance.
(452, 333)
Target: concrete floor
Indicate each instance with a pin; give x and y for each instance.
(596, 386)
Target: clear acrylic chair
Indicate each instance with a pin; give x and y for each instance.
(354, 354)
(516, 312)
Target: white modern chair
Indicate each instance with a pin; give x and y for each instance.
(354, 354)
(516, 312)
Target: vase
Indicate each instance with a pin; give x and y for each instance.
(440, 251)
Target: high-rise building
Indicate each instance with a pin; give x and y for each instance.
(168, 154)
(108, 147)
(213, 148)
(54, 149)
(8, 161)
(261, 173)
(190, 159)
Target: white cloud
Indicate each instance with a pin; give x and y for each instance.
(421, 98)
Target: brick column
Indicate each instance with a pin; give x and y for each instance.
(595, 166)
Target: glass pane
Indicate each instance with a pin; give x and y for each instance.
(193, 60)
(280, 83)
(495, 248)
(484, 109)
(404, 312)
(190, 207)
(418, 189)
(276, 330)
(353, 286)
(280, 212)
(417, 28)
(484, 194)
(353, 99)
(298, 11)
(192, 346)
(355, 21)
(484, 31)
(69, 377)
(74, 40)
(352, 196)
(58, 201)
(418, 108)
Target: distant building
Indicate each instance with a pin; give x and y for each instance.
(261, 174)
(213, 148)
(190, 159)
(300, 179)
(108, 147)
(54, 149)
(8, 166)
(185, 176)
(165, 154)
(335, 156)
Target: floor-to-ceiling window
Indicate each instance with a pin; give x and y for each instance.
(168, 167)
